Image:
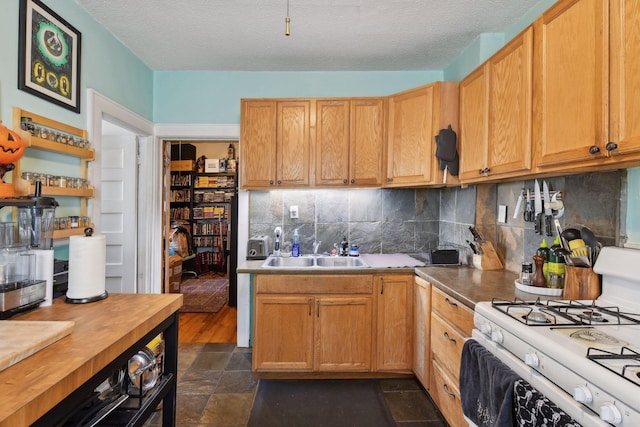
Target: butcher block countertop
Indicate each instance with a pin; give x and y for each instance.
(101, 332)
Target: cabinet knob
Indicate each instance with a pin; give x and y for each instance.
(388, 179)
(594, 149)
(279, 182)
(480, 171)
(271, 182)
(345, 181)
(353, 181)
(487, 170)
(611, 146)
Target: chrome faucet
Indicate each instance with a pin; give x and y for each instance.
(316, 245)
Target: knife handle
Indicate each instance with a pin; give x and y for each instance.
(537, 223)
(548, 219)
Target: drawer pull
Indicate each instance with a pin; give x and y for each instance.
(446, 335)
(451, 303)
(310, 306)
(446, 390)
(381, 286)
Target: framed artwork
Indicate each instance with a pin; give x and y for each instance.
(48, 56)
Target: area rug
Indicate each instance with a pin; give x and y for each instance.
(204, 294)
(320, 403)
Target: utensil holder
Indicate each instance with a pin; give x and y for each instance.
(489, 259)
(581, 283)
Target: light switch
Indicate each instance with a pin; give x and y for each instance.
(502, 214)
(293, 212)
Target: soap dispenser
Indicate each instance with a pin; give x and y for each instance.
(276, 247)
(295, 248)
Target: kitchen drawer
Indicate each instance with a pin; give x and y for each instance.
(453, 310)
(314, 284)
(445, 393)
(446, 345)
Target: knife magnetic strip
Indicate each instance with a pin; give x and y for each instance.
(489, 260)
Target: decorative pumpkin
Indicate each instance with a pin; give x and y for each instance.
(11, 149)
(11, 145)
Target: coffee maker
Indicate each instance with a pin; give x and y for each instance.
(20, 287)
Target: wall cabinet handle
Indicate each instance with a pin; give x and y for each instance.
(353, 181)
(310, 306)
(388, 179)
(446, 390)
(611, 146)
(345, 181)
(318, 314)
(271, 182)
(381, 286)
(594, 149)
(451, 303)
(279, 182)
(446, 335)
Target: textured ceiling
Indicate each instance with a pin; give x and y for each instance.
(326, 35)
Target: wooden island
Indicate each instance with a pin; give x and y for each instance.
(44, 388)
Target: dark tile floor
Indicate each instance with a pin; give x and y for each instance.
(216, 388)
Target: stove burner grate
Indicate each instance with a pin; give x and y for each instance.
(601, 356)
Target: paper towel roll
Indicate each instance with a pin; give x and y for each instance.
(44, 271)
(87, 260)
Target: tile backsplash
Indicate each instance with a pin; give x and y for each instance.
(415, 220)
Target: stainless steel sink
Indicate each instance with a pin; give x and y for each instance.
(340, 262)
(323, 262)
(286, 262)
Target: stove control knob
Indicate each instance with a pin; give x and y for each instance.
(496, 336)
(531, 359)
(610, 414)
(485, 328)
(582, 394)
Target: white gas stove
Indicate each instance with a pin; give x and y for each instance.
(584, 355)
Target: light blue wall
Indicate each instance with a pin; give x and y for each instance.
(107, 66)
(487, 44)
(214, 97)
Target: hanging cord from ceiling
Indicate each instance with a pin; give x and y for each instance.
(287, 22)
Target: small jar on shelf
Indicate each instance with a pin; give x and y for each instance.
(28, 176)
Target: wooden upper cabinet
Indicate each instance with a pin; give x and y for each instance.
(293, 153)
(258, 143)
(275, 143)
(625, 78)
(496, 113)
(349, 142)
(415, 118)
(474, 117)
(571, 46)
(367, 141)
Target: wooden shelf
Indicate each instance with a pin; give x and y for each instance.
(66, 233)
(31, 141)
(64, 191)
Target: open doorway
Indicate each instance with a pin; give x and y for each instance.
(201, 222)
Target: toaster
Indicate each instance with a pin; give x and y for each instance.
(258, 247)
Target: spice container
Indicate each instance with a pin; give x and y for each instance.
(27, 176)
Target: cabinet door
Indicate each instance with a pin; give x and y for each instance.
(258, 143)
(422, 330)
(343, 333)
(293, 143)
(411, 141)
(332, 142)
(510, 107)
(625, 78)
(571, 84)
(473, 124)
(366, 142)
(394, 299)
(283, 333)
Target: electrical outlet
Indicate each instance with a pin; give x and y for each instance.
(293, 212)
(502, 214)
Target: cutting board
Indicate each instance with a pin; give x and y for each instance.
(20, 339)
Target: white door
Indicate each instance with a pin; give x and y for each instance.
(118, 210)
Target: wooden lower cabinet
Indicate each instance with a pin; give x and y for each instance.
(451, 323)
(394, 299)
(422, 331)
(284, 336)
(328, 328)
(445, 393)
(343, 333)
